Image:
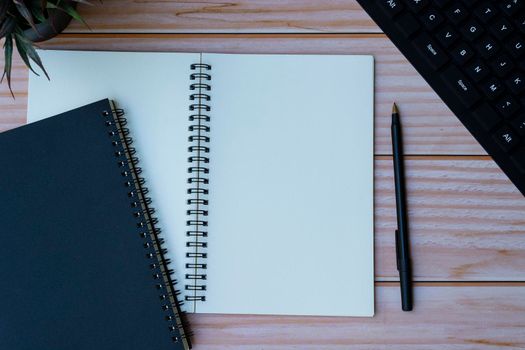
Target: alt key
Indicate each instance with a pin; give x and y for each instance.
(507, 139)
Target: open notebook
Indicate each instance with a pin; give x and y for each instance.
(261, 168)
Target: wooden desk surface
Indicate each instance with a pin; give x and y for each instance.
(468, 220)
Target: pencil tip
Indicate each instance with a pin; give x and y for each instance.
(394, 109)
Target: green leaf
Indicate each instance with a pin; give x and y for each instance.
(37, 9)
(4, 6)
(27, 46)
(24, 11)
(69, 10)
(20, 45)
(7, 26)
(85, 2)
(8, 51)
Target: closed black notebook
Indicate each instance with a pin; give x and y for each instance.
(81, 262)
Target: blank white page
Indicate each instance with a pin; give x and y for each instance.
(153, 89)
(291, 185)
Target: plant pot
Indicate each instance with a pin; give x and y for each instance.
(57, 21)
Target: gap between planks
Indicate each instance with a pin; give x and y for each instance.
(378, 156)
(222, 35)
(454, 284)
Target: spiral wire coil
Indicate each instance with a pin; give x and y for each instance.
(198, 181)
(152, 243)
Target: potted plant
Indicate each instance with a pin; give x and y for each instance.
(24, 22)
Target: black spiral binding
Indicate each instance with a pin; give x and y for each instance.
(198, 180)
(149, 234)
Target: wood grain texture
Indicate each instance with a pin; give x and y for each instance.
(471, 317)
(467, 220)
(219, 16)
(13, 110)
(429, 126)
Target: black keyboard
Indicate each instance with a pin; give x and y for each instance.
(472, 53)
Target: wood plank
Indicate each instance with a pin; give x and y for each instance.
(445, 317)
(467, 221)
(248, 16)
(430, 127)
(13, 110)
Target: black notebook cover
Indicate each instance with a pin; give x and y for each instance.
(81, 265)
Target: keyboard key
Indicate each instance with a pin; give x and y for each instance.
(487, 47)
(507, 106)
(441, 3)
(506, 138)
(408, 24)
(511, 7)
(516, 82)
(462, 53)
(487, 117)
(518, 124)
(502, 65)
(492, 88)
(432, 18)
(417, 5)
(486, 12)
(516, 47)
(472, 30)
(457, 14)
(447, 36)
(478, 71)
(430, 51)
(470, 3)
(390, 7)
(501, 28)
(518, 159)
(520, 22)
(462, 88)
